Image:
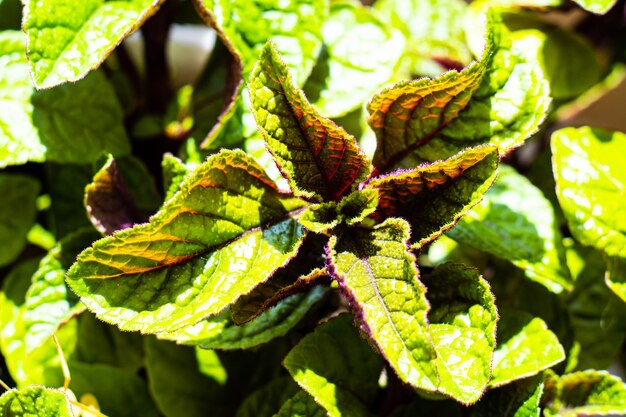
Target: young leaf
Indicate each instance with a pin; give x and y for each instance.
(427, 120)
(462, 326)
(17, 213)
(590, 185)
(516, 222)
(174, 172)
(347, 73)
(35, 401)
(336, 367)
(584, 393)
(377, 272)
(433, 197)
(616, 276)
(520, 336)
(320, 160)
(301, 405)
(44, 125)
(320, 218)
(519, 399)
(220, 332)
(68, 38)
(186, 263)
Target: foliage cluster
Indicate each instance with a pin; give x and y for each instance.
(336, 218)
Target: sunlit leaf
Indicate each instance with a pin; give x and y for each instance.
(301, 405)
(35, 401)
(225, 231)
(519, 399)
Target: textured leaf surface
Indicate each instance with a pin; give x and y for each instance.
(336, 367)
(35, 401)
(590, 185)
(433, 197)
(516, 222)
(462, 320)
(519, 399)
(525, 347)
(301, 405)
(44, 125)
(176, 383)
(616, 276)
(220, 332)
(17, 213)
(68, 38)
(347, 73)
(586, 393)
(294, 26)
(320, 159)
(378, 273)
(223, 233)
(427, 120)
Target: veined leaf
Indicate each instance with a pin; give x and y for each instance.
(377, 272)
(301, 405)
(336, 367)
(220, 332)
(462, 325)
(17, 213)
(616, 276)
(347, 73)
(516, 222)
(519, 399)
(427, 120)
(35, 401)
(223, 233)
(319, 159)
(44, 125)
(520, 336)
(433, 197)
(584, 393)
(68, 38)
(590, 185)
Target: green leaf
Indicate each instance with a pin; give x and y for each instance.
(596, 6)
(121, 194)
(68, 38)
(301, 405)
(174, 172)
(319, 159)
(10, 14)
(427, 120)
(320, 218)
(378, 273)
(294, 26)
(519, 399)
(433, 197)
(44, 125)
(347, 73)
(462, 326)
(220, 332)
(590, 185)
(336, 367)
(520, 338)
(267, 400)
(516, 222)
(351, 210)
(177, 385)
(119, 392)
(585, 393)
(17, 213)
(186, 263)
(35, 401)
(49, 303)
(616, 276)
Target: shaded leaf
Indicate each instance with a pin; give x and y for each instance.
(10, 14)
(347, 73)
(427, 120)
(585, 393)
(525, 347)
(319, 159)
(220, 332)
(267, 400)
(44, 125)
(519, 399)
(616, 276)
(35, 401)
(17, 213)
(590, 185)
(163, 275)
(336, 367)
(516, 222)
(68, 38)
(433, 197)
